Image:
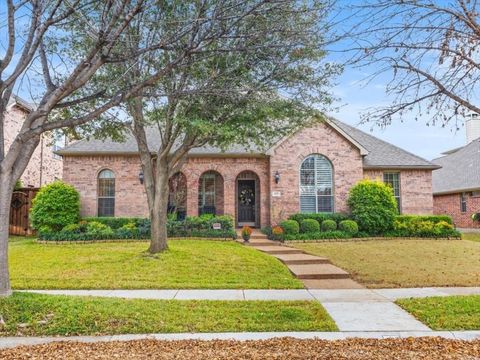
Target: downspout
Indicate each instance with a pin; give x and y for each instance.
(41, 160)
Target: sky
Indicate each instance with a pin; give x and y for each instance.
(414, 136)
(355, 97)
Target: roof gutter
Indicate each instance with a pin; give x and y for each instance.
(401, 167)
(456, 191)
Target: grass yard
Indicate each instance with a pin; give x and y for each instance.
(27, 314)
(188, 264)
(404, 263)
(446, 313)
(471, 236)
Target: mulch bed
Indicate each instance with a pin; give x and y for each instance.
(285, 348)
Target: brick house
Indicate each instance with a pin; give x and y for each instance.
(456, 186)
(309, 171)
(44, 166)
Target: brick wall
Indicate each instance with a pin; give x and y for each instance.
(415, 189)
(81, 172)
(289, 155)
(43, 168)
(229, 168)
(450, 205)
(130, 197)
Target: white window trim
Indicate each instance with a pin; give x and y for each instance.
(204, 193)
(332, 184)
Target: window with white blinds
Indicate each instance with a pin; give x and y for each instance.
(316, 185)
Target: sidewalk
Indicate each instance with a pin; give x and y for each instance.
(362, 310)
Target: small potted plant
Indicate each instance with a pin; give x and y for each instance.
(246, 232)
(277, 233)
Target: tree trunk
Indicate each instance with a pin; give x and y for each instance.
(158, 214)
(6, 188)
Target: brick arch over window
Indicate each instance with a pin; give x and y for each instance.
(211, 193)
(106, 193)
(316, 184)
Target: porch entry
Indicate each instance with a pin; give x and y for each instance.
(248, 199)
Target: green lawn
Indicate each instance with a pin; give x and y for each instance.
(188, 264)
(404, 263)
(446, 313)
(35, 315)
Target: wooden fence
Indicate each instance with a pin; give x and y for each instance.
(19, 211)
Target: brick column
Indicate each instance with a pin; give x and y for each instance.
(192, 194)
(229, 195)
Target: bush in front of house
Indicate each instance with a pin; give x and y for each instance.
(423, 226)
(55, 206)
(320, 217)
(309, 225)
(290, 227)
(348, 226)
(320, 235)
(329, 225)
(93, 228)
(373, 206)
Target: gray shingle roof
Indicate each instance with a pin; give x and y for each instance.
(380, 153)
(129, 146)
(460, 170)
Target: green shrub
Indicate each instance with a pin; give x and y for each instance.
(290, 227)
(309, 225)
(95, 228)
(115, 222)
(348, 226)
(56, 205)
(337, 217)
(418, 226)
(443, 226)
(72, 228)
(373, 206)
(329, 225)
(433, 218)
(319, 235)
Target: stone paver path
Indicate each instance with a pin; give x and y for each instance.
(314, 271)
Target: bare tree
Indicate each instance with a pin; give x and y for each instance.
(61, 45)
(431, 49)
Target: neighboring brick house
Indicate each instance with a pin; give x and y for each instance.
(310, 171)
(456, 186)
(44, 166)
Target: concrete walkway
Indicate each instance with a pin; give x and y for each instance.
(8, 342)
(351, 309)
(314, 271)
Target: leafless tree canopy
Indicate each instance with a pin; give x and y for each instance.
(431, 48)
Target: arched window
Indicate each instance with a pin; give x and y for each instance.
(316, 185)
(106, 193)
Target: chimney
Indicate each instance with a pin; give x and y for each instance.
(472, 127)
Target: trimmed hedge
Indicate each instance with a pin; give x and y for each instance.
(337, 217)
(348, 226)
(433, 218)
(329, 225)
(319, 235)
(423, 226)
(309, 226)
(290, 227)
(138, 228)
